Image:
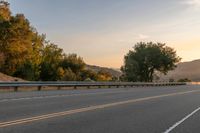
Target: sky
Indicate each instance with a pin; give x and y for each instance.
(103, 31)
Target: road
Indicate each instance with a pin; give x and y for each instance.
(116, 110)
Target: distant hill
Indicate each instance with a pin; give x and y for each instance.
(114, 72)
(190, 70)
(4, 77)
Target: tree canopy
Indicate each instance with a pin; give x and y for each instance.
(141, 63)
(27, 54)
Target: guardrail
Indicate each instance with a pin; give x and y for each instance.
(39, 85)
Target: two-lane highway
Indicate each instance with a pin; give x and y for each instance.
(115, 110)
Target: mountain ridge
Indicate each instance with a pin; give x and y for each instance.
(112, 71)
(189, 69)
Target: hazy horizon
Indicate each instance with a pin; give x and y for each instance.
(102, 31)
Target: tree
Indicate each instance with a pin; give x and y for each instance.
(89, 74)
(26, 71)
(38, 44)
(2, 59)
(74, 62)
(20, 44)
(15, 42)
(104, 76)
(52, 56)
(184, 80)
(26, 54)
(69, 75)
(141, 63)
(4, 11)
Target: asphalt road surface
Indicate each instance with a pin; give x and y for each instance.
(117, 110)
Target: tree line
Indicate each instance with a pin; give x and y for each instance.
(27, 54)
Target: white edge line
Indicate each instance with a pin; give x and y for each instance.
(68, 112)
(181, 121)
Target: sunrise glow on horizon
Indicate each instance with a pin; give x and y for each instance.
(103, 31)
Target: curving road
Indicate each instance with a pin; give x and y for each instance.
(117, 110)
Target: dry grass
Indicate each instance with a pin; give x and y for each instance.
(4, 77)
(26, 89)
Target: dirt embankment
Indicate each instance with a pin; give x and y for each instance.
(4, 77)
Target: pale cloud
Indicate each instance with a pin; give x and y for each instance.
(142, 36)
(193, 3)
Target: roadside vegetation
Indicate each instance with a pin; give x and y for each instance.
(142, 63)
(27, 54)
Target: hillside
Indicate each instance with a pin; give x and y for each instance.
(4, 77)
(115, 73)
(190, 70)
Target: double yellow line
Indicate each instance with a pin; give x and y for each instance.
(91, 108)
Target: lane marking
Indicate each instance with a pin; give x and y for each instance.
(181, 121)
(91, 108)
(61, 95)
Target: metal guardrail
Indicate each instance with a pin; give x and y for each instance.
(15, 85)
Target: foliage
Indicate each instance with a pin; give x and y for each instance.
(51, 57)
(171, 80)
(69, 75)
(4, 11)
(27, 71)
(141, 63)
(89, 75)
(104, 76)
(17, 41)
(75, 63)
(184, 80)
(27, 54)
(2, 59)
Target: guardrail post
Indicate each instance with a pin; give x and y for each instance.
(75, 87)
(39, 88)
(59, 87)
(16, 88)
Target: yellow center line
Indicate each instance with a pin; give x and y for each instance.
(70, 112)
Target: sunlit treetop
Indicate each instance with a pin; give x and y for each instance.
(5, 12)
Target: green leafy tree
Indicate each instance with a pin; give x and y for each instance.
(89, 74)
(26, 71)
(38, 43)
(69, 75)
(104, 76)
(20, 43)
(26, 54)
(74, 62)
(30, 69)
(141, 63)
(52, 56)
(15, 42)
